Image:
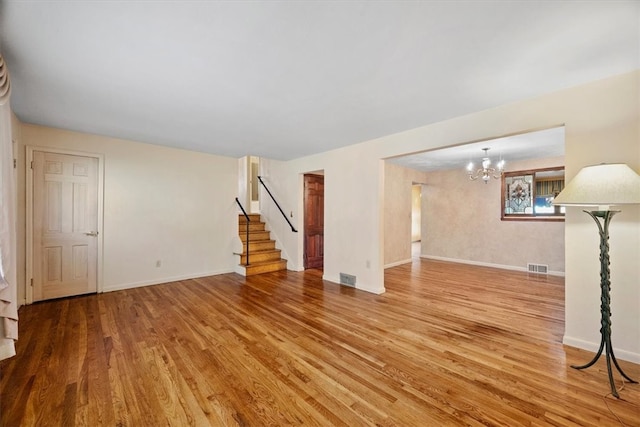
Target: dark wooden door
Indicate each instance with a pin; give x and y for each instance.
(313, 221)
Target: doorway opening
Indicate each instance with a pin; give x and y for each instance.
(416, 220)
(455, 205)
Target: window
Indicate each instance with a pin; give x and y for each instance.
(528, 195)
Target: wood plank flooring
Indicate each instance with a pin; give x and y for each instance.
(447, 344)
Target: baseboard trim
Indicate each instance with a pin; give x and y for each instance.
(239, 269)
(488, 264)
(331, 279)
(397, 263)
(629, 356)
(163, 280)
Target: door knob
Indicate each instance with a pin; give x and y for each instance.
(92, 233)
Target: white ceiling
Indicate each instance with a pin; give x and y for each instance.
(285, 79)
(545, 143)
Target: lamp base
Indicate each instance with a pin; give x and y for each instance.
(605, 300)
(605, 344)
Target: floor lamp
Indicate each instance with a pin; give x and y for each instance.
(603, 185)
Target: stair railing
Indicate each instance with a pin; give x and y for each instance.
(248, 221)
(274, 201)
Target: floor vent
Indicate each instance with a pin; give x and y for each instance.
(347, 280)
(537, 268)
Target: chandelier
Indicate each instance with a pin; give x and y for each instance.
(486, 171)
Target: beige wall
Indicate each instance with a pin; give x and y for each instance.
(601, 125)
(160, 203)
(398, 182)
(16, 136)
(462, 223)
(16, 129)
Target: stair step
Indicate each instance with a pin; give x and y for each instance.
(259, 245)
(263, 255)
(265, 267)
(252, 218)
(260, 256)
(255, 236)
(253, 226)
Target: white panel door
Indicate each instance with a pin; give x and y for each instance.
(65, 221)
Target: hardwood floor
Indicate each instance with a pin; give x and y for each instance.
(447, 344)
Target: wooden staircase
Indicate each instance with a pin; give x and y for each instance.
(263, 255)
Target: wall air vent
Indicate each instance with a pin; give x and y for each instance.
(347, 280)
(537, 268)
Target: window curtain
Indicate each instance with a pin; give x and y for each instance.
(549, 188)
(8, 203)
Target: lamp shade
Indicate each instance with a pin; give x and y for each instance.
(601, 185)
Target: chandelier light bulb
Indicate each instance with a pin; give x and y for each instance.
(486, 172)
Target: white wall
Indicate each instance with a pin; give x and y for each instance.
(285, 191)
(601, 125)
(350, 210)
(160, 203)
(463, 223)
